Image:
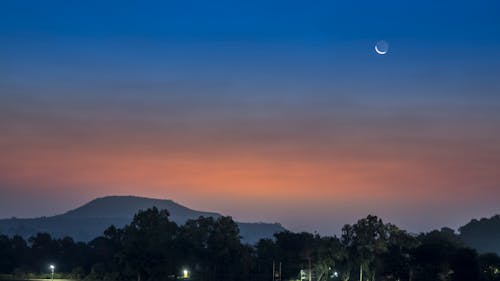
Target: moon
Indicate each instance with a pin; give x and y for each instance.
(382, 47)
(379, 51)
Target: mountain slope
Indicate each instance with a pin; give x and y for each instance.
(126, 206)
(483, 234)
(90, 220)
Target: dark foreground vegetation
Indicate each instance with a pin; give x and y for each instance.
(152, 247)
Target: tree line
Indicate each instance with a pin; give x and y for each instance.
(152, 247)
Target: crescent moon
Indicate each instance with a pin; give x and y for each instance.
(379, 51)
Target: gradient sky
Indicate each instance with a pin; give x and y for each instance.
(263, 110)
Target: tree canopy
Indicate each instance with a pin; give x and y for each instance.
(152, 247)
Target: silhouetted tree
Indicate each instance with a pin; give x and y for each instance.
(148, 245)
(395, 263)
(465, 265)
(267, 253)
(489, 266)
(44, 250)
(366, 240)
(432, 258)
(483, 234)
(152, 247)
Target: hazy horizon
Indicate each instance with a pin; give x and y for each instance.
(333, 229)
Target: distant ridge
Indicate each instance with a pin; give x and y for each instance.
(91, 219)
(126, 206)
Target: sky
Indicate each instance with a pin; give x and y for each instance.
(276, 111)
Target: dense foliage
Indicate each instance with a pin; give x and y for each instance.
(152, 247)
(483, 234)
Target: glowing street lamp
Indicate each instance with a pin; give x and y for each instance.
(185, 274)
(52, 268)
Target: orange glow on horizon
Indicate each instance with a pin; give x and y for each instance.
(246, 173)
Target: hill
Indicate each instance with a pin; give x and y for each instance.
(90, 220)
(111, 207)
(483, 234)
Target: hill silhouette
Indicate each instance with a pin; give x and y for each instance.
(483, 234)
(90, 220)
(126, 206)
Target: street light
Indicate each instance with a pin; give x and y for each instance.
(185, 274)
(52, 268)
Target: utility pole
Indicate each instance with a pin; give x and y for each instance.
(276, 274)
(274, 271)
(52, 268)
(310, 273)
(280, 271)
(360, 272)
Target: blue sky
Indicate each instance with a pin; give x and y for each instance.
(263, 101)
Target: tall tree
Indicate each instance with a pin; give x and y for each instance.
(148, 246)
(366, 240)
(395, 263)
(432, 258)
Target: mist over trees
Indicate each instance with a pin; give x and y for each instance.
(152, 247)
